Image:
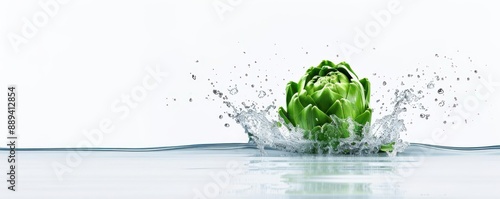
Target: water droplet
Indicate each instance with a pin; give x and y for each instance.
(252, 85)
(458, 78)
(193, 76)
(197, 61)
(444, 122)
(436, 55)
(430, 85)
(190, 99)
(475, 71)
(262, 94)
(384, 83)
(233, 91)
(440, 91)
(220, 116)
(226, 125)
(422, 115)
(441, 104)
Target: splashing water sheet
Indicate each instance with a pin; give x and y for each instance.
(226, 99)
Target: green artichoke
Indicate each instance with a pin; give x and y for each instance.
(325, 99)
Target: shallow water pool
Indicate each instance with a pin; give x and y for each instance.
(242, 171)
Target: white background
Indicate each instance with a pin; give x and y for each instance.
(90, 53)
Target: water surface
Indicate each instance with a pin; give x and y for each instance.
(241, 171)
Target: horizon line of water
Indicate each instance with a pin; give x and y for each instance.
(227, 146)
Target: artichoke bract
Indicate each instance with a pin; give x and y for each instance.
(324, 99)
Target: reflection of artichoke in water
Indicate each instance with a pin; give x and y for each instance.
(310, 178)
(325, 100)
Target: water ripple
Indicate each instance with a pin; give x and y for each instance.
(234, 146)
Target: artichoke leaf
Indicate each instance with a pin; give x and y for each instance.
(387, 147)
(366, 86)
(311, 72)
(325, 70)
(291, 88)
(325, 97)
(340, 88)
(283, 114)
(346, 66)
(355, 94)
(350, 111)
(294, 108)
(305, 99)
(342, 78)
(343, 109)
(334, 108)
(327, 63)
(365, 117)
(311, 116)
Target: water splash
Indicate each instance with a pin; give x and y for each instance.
(265, 131)
(429, 80)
